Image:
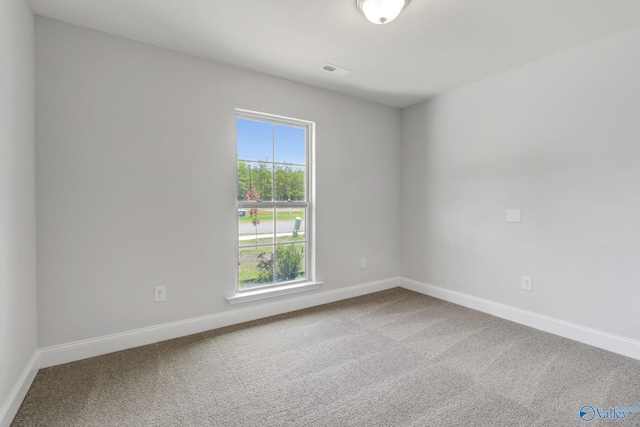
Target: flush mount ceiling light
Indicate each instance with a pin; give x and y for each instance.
(381, 11)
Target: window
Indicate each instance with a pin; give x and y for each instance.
(273, 200)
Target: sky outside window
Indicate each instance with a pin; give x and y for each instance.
(290, 145)
(255, 141)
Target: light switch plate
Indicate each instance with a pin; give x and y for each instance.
(514, 215)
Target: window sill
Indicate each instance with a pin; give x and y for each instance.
(259, 294)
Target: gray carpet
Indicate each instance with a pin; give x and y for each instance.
(394, 358)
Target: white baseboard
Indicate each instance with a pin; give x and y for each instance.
(617, 344)
(70, 352)
(10, 407)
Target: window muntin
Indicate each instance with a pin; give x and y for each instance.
(273, 200)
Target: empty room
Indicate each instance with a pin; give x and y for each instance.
(319, 213)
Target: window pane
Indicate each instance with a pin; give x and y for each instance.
(290, 262)
(290, 223)
(242, 178)
(255, 226)
(273, 156)
(290, 145)
(290, 184)
(255, 267)
(256, 176)
(255, 140)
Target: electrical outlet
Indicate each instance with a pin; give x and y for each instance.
(527, 283)
(160, 294)
(363, 263)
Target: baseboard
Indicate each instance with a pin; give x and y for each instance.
(10, 407)
(617, 344)
(71, 352)
(78, 350)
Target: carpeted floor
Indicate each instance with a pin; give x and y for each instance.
(394, 358)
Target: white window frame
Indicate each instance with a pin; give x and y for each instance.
(307, 283)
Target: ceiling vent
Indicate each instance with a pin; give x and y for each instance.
(335, 70)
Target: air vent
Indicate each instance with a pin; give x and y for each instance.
(335, 70)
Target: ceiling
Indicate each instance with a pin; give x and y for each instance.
(433, 46)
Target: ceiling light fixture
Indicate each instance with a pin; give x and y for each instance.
(381, 11)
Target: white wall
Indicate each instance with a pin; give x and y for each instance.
(136, 182)
(558, 138)
(18, 334)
